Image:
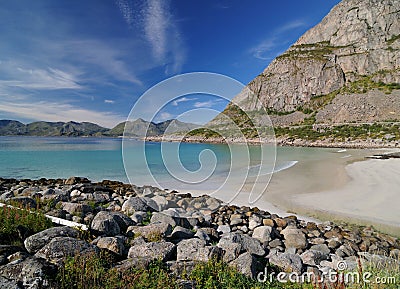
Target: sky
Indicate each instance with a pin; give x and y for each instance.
(90, 60)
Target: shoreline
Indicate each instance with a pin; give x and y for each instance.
(281, 141)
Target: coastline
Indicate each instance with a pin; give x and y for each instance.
(282, 141)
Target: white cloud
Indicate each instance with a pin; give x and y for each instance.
(25, 76)
(182, 99)
(127, 11)
(53, 111)
(265, 50)
(209, 103)
(165, 116)
(109, 101)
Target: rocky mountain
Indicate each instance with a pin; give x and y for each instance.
(345, 69)
(137, 128)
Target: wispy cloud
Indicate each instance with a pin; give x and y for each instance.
(182, 99)
(165, 116)
(268, 48)
(209, 103)
(109, 101)
(126, 9)
(55, 111)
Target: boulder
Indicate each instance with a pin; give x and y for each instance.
(247, 243)
(294, 238)
(105, 223)
(76, 208)
(288, 262)
(247, 264)
(112, 244)
(150, 231)
(134, 204)
(263, 233)
(161, 202)
(180, 233)
(196, 250)
(230, 251)
(24, 202)
(160, 217)
(37, 241)
(312, 257)
(61, 247)
(154, 250)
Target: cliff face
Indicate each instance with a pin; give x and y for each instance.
(357, 42)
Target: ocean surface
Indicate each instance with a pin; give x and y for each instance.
(180, 166)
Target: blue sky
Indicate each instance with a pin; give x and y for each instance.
(90, 60)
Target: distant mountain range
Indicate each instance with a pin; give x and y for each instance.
(137, 128)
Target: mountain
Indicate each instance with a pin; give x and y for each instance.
(141, 128)
(137, 128)
(346, 69)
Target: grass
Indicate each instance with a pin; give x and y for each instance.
(18, 224)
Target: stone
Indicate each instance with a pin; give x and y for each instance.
(247, 264)
(104, 223)
(236, 219)
(323, 248)
(161, 202)
(253, 224)
(294, 238)
(268, 222)
(133, 263)
(160, 217)
(31, 272)
(37, 241)
(24, 202)
(231, 251)
(287, 262)
(61, 247)
(76, 208)
(263, 233)
(112, 244)
(150, 231)
(76, 180)
(196, 250)
(134, 204)
(180, 233)
(123, 220)
(202, 235)
(154, 250)
(223, 229)
(312, 257)
(247, 243)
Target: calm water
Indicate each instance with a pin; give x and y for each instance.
(172, 165)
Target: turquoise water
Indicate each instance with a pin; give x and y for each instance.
(184, 166)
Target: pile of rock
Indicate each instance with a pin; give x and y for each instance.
(141, 224)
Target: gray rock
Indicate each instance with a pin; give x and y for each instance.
(76, 208)
(24, 202)
(180, 233)
(253, 224)
(231, 250)
(247, 243)
(105, 223)
(29, 273)
(161, 202)
(294, 238)
(223, 229)
(155, 250)
(37, 241)
(202, 235)
(196, 250)
(133, 263)
(61, 247)
(123, 220)
(113, 244)
(160, 217)
(323, 248)
(181, 268)
(134, 204)
(138, 217)
(247, 264)
(313, 257)
(151, 230)
(263, 233)
(287, 262)
(236, 219)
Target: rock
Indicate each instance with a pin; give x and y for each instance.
(76, 208)
(223, 229)
(236, 219)
(61, 247)
(287, 262)
(155, 250)
(247, 264)
(161, 202)
(37, 241)
(133, 263)
(312, 257)
(294, 238)
(202, 235)
(160, 217)
(76, 180)
(138, 217)
(321, 248)
(268, 222)
(112, 244)
(24, 202)
(181, 268)
(105, 223)
(253, 224)
(123, 220)
(180, 233)
(263, 233)
(196, 250)
(134, 204)
(29, 273)
(247, 243)
(153, 230)
(18, 256)
(231, 250)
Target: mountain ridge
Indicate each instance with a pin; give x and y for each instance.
(137, 128)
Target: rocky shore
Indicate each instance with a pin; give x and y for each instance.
(141, 224)
(284, 141)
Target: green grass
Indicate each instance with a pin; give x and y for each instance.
(14, 221)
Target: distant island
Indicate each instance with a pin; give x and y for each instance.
(137, 128)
